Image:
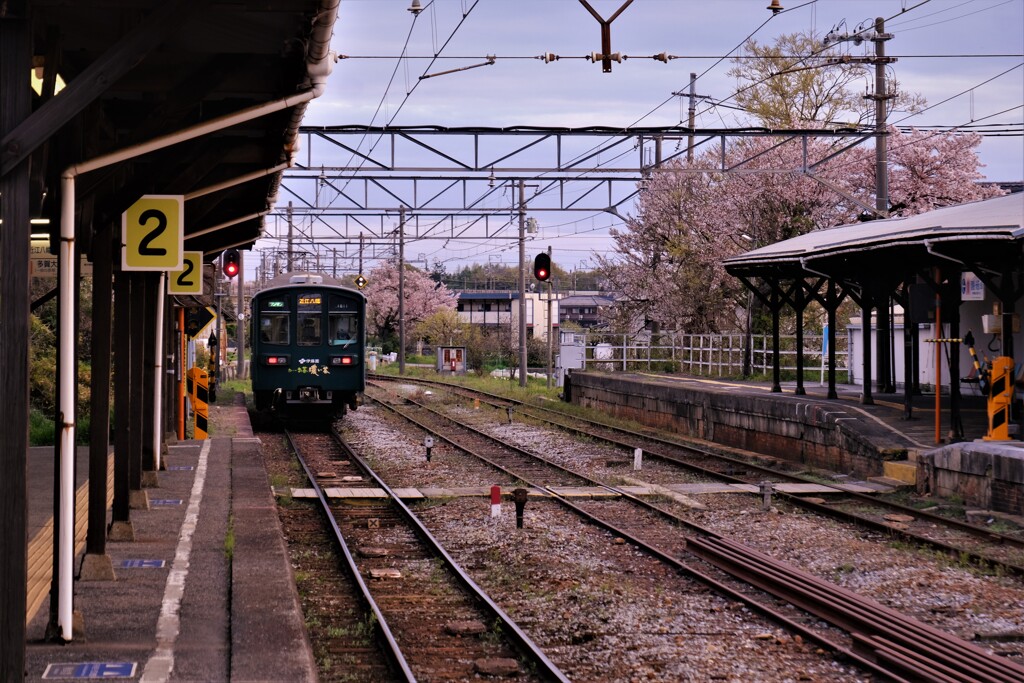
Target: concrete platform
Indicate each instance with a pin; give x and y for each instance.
(203, 593)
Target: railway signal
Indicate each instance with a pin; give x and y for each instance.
(230, 263)
(542, 266)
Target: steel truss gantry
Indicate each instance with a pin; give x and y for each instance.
(456, 182)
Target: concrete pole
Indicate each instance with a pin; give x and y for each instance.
(401, 291)
(240, 316)
(693, 115)
(551, 326)
(522, 284)
(881, 139)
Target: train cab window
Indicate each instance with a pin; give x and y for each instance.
(344, 329)
(274, 328)
(343, 321)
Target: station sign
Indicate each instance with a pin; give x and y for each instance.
(188, 280)
(43, 265)
(153, 233)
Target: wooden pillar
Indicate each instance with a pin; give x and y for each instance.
(909, 352)
(147, 399)
(800, 304)
(120, 527)
(99, 398)
(15, 106)
(865, 307)
(136, 370)
(776, 307)
(952, 310)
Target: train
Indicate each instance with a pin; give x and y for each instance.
(308, 347)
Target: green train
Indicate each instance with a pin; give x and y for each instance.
(308, 347)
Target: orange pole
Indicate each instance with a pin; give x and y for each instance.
(181, 379)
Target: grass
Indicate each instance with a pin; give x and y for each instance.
(229, 539)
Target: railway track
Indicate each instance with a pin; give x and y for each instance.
(880, 640)
(431, 620)
(962, 541)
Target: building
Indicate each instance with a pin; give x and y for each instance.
(500, 310)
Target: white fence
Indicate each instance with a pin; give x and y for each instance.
(709, 355)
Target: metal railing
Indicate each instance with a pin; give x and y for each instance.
(708, 355)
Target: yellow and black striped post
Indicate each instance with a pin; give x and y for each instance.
(198, 391)
(1000, 399)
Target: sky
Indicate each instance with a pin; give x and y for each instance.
(966, 57)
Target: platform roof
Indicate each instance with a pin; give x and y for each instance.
(988, 231)
(139, 69)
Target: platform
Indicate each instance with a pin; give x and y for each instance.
(195, 592)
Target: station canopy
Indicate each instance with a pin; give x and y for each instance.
(128, 71)
(985, 235)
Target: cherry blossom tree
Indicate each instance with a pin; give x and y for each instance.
(667, 260)
(423, 297)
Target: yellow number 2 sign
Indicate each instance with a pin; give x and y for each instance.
(188, 280)
(153, 234)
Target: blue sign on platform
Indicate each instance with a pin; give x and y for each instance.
(165, 501)
(142, 564)
(180, 468)
(90, 670)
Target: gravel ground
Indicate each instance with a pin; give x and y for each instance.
(672, 641)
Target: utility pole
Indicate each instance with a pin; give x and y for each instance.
(401, 290)
(692, 117)
(881, 134)
(551, 326)
(879, 37)
(361, 253)
(240, 317)
(522, 284)
(290, 263)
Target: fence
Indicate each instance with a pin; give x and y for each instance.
(709, 355)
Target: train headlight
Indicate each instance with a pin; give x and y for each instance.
(275, 360)
(343, 360)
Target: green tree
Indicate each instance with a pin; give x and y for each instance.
(791, 83)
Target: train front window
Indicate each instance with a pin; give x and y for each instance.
(274, 328)
(343, 320)
(308, 319)
(344, 329)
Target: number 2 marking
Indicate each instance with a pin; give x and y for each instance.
(161, 224)
(182, 282)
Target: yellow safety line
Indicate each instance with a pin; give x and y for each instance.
(40, 548)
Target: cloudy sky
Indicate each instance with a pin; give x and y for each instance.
(966, 57)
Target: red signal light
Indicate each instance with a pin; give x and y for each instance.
(231, 263)
(542, 267)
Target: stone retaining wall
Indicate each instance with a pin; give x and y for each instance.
(984, 474)
(793, 428)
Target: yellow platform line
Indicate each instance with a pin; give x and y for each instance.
(40, 548)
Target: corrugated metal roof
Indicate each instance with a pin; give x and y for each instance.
(1000, 218)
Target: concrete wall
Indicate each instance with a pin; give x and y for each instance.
(790, 427)
(984, 474)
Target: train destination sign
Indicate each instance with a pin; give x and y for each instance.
(153, 233)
